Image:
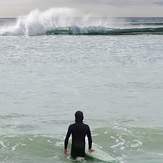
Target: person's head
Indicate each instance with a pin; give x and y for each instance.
(79, 117)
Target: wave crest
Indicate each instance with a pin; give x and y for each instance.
(73, 22)
(37, 22)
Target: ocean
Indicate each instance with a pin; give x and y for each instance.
(56, 62)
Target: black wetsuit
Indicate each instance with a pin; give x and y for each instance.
(78, 131)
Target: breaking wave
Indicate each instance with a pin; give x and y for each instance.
(105, 31)
(66, 21)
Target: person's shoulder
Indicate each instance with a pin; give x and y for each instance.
(71, 125)
(85, 125)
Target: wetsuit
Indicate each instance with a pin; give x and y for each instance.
(78, 131)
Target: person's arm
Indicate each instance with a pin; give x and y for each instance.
(66, 139)
(89, 140)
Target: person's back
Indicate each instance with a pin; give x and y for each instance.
(78, 130)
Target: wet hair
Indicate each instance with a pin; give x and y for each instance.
(79, 117)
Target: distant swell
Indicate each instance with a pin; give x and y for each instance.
(101, 31)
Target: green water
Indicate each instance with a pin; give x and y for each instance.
(115, 80)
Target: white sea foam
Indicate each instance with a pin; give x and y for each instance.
(14, 147)
(2, 144)
(136, 143)
(38, 22)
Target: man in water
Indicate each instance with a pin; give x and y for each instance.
(78, 130)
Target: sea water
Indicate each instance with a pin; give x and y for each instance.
(53, 64)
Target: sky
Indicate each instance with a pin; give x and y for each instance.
(107, 8)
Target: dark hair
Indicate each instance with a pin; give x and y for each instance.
(78, 116)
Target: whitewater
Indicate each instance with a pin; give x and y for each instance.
(58, 61)
(73, 22)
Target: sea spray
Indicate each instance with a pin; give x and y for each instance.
(74, 22)
(39, 23)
